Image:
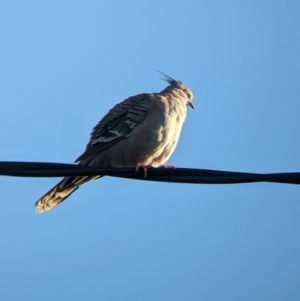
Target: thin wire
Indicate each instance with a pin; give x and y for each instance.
(177, 175)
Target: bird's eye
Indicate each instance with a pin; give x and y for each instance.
(186, 91)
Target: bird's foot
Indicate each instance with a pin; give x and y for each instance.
(166, 166)
(144, 167)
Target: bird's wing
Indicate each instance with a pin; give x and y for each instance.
(117, 124)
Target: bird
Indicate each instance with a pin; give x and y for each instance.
(142, 131)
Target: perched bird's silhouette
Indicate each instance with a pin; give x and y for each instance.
(141, 131)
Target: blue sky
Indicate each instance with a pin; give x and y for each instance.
(64, 64)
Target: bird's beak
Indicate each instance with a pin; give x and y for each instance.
(190, 104)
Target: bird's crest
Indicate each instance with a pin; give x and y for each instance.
(169, 79)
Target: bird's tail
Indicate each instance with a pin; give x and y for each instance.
(60, 192)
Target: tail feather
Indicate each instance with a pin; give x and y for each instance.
(60, 192)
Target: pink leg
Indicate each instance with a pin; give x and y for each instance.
(144, 167)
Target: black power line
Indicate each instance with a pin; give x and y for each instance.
(177, 175)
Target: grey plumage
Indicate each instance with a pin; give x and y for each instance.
(143, 129)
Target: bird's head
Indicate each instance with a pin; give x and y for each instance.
(179, 88)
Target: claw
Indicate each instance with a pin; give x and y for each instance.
(167, 166)
(144, 167)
